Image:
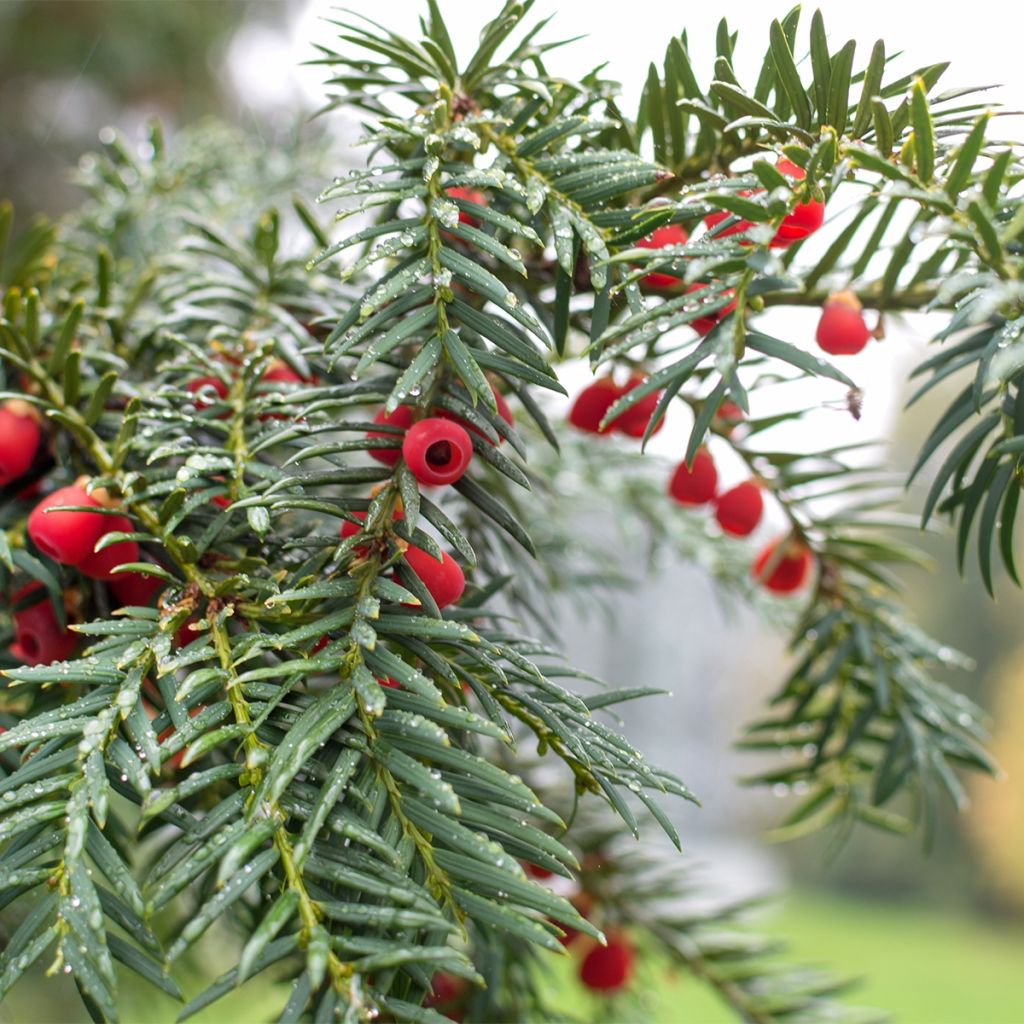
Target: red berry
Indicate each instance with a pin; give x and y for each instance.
(67, 537)
(608, 968)
(443, 579)
(445, 995)
(704, 325)
(185, 634)
(349, 529)
(504, 409)
(534, 871)
(101, 564)
(695, 485)
(739, 509)
(783, 571)
(728, 416)
(590, 405)
(387, 681)
(437, 451)
(201, 388)
(38, 637)
(841, 329)
(279, 372)
(19, 440)
(135, 587)
(805, 219)
(712, 220)
(469, 195)
(633, 422)
(400, 418)
(661, 238)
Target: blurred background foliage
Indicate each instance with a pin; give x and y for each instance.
(938, 938)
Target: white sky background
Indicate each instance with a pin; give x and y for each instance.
(267, 68)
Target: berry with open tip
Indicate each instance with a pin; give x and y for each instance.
(437, 451)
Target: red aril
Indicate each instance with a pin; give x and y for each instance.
(739, 509)
(661, 238)
(841, 329)
(67, 536)
(437, 451)
(783, 566)
(401, 418)
(696, 484)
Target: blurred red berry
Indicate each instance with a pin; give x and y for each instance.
(445, 995)
(20, 434)
(783, 566)
(805, 218)
(633, 422)
(279, 372)
(100, 565)
(38, 637)
(535, 871)
(841, 329)
(591, 404)
(443, 579)
(608, 968)
(728, 416)
(739, 509)
(437, 451)
(696, 484)
(705, 324)
(69, 536)
(204, 388)
(661, 238)
(712, 220)
(802, 221)
(401, 418)
(468, 195)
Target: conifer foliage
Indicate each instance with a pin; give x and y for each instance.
(264, 525)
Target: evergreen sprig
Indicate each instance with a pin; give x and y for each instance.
(366, 836)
